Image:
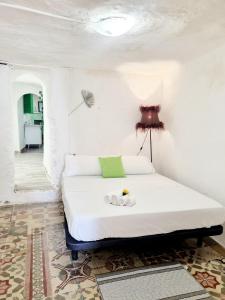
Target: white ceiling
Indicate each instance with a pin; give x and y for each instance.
(165, 30)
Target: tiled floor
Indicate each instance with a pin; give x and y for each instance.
(30, 173)
(35, 263)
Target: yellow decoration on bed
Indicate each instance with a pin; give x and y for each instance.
(125, 192)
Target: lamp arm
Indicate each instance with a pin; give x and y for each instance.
(76, 108)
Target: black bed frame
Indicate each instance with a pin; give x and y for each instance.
(199, 233)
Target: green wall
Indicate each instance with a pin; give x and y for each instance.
(28, 107)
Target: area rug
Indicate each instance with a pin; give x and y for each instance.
(170, 281)
(35, 263)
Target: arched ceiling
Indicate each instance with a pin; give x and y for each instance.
(60, 32)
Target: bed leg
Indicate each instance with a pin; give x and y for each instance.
(74, 255)
(199, 242)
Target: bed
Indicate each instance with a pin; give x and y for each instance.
(164, 209)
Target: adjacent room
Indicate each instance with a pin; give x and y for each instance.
(29, 144)
(111, 151)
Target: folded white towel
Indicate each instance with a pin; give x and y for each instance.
(111, 197)
(117, 199)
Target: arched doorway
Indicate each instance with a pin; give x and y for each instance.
(30, 113)
(30, 173)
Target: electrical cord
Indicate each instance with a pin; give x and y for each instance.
(143, 143)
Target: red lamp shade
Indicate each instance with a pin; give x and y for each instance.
(150, 118)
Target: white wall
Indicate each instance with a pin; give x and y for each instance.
(19, 126)
(109, 126)
(56, 85)
(6, 136)
(192, 149)
(57, 105)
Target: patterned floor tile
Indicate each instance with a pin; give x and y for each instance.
(6, 215)
(35, 263)
(12, 276)
(4, 232)
(89, 293)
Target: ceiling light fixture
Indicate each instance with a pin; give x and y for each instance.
(114, 25)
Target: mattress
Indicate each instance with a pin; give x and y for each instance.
(162, 206)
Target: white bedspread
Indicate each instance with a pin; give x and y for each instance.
(162, 206)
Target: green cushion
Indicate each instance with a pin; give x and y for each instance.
(112, 167)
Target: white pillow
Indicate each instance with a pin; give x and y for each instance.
(134, 165)
(76, 165)
(81, 165)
